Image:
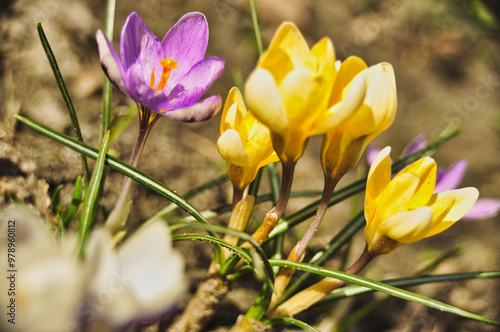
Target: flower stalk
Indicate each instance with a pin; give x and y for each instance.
(118, 216)
(316, 292)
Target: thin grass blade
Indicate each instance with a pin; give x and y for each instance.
(91, 194)
(384, 288)
(119, 166)
(65, 94)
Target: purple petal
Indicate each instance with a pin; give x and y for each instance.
(138, 43)
(372, 153)
(451, 178)
(139, 90)
(110, 62)
(196, 112)
(418, 143)
(483, 209)
(186, 43)
(194, 84)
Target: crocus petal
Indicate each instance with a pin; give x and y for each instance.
(200, 111)
(110, 61)
(234, 110)
(232, 150)
(194, 84)
(300, 91)
(397, 196)
(289, 39)
(352, 99)
(418, 143)
(425, 169)
(349, 68)
(138, 89)
(407, 226)
(378, 178)
(135, 38)
(156, 271)
(483, 209)
(451, 178)
(263, 98)
(464, 200)
(186, 43)
(372, 153)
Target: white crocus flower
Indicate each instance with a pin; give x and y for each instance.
(111, 288)
(141, 279)
(47, 281)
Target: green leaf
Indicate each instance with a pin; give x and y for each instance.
(65, 94)
(120, 166)
(56, 200)
(256, 28)
(121, 122)
(207, 238)
(91, 194)
(75, 202)
(241, 235)
(290, 322)
(172, 207)
(350, 291)
(107, 87)
(381, 287)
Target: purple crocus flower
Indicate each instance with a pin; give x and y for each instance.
(166, 77)
(448, 179)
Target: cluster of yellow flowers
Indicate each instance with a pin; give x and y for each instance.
(296, 92)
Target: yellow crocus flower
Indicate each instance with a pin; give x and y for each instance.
(342, 147)
(405, 209)
(245, 143)
(290, 89)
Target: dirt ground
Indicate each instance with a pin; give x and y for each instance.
(447, 70)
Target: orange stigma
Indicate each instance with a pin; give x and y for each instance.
(167, 64)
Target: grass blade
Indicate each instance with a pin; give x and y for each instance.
(119, 166)
(290, 322)
(65, 94)
(107, 87)
(350, 291)
(75, 202)
(256, 28)
(91, 194)
(384, 288)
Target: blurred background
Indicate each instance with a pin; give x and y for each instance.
(446, 58)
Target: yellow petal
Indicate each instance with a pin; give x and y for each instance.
(301, 93)
(321, 60)
(352, 99)
(233, 111)
(379, 106)
(464, 199)
(259, 146)
(231, 148)
(396, 196)
(407, 226)
(289, 39)
(351, 67)
(378, 178)
(264, 100)
(425, 169)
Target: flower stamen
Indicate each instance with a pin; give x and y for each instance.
(167, 64)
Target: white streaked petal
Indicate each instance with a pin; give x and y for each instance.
(264, 100)
(110, 61)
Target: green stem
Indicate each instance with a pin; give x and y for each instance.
(107, 87)
(118, 216)
(256, 28)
